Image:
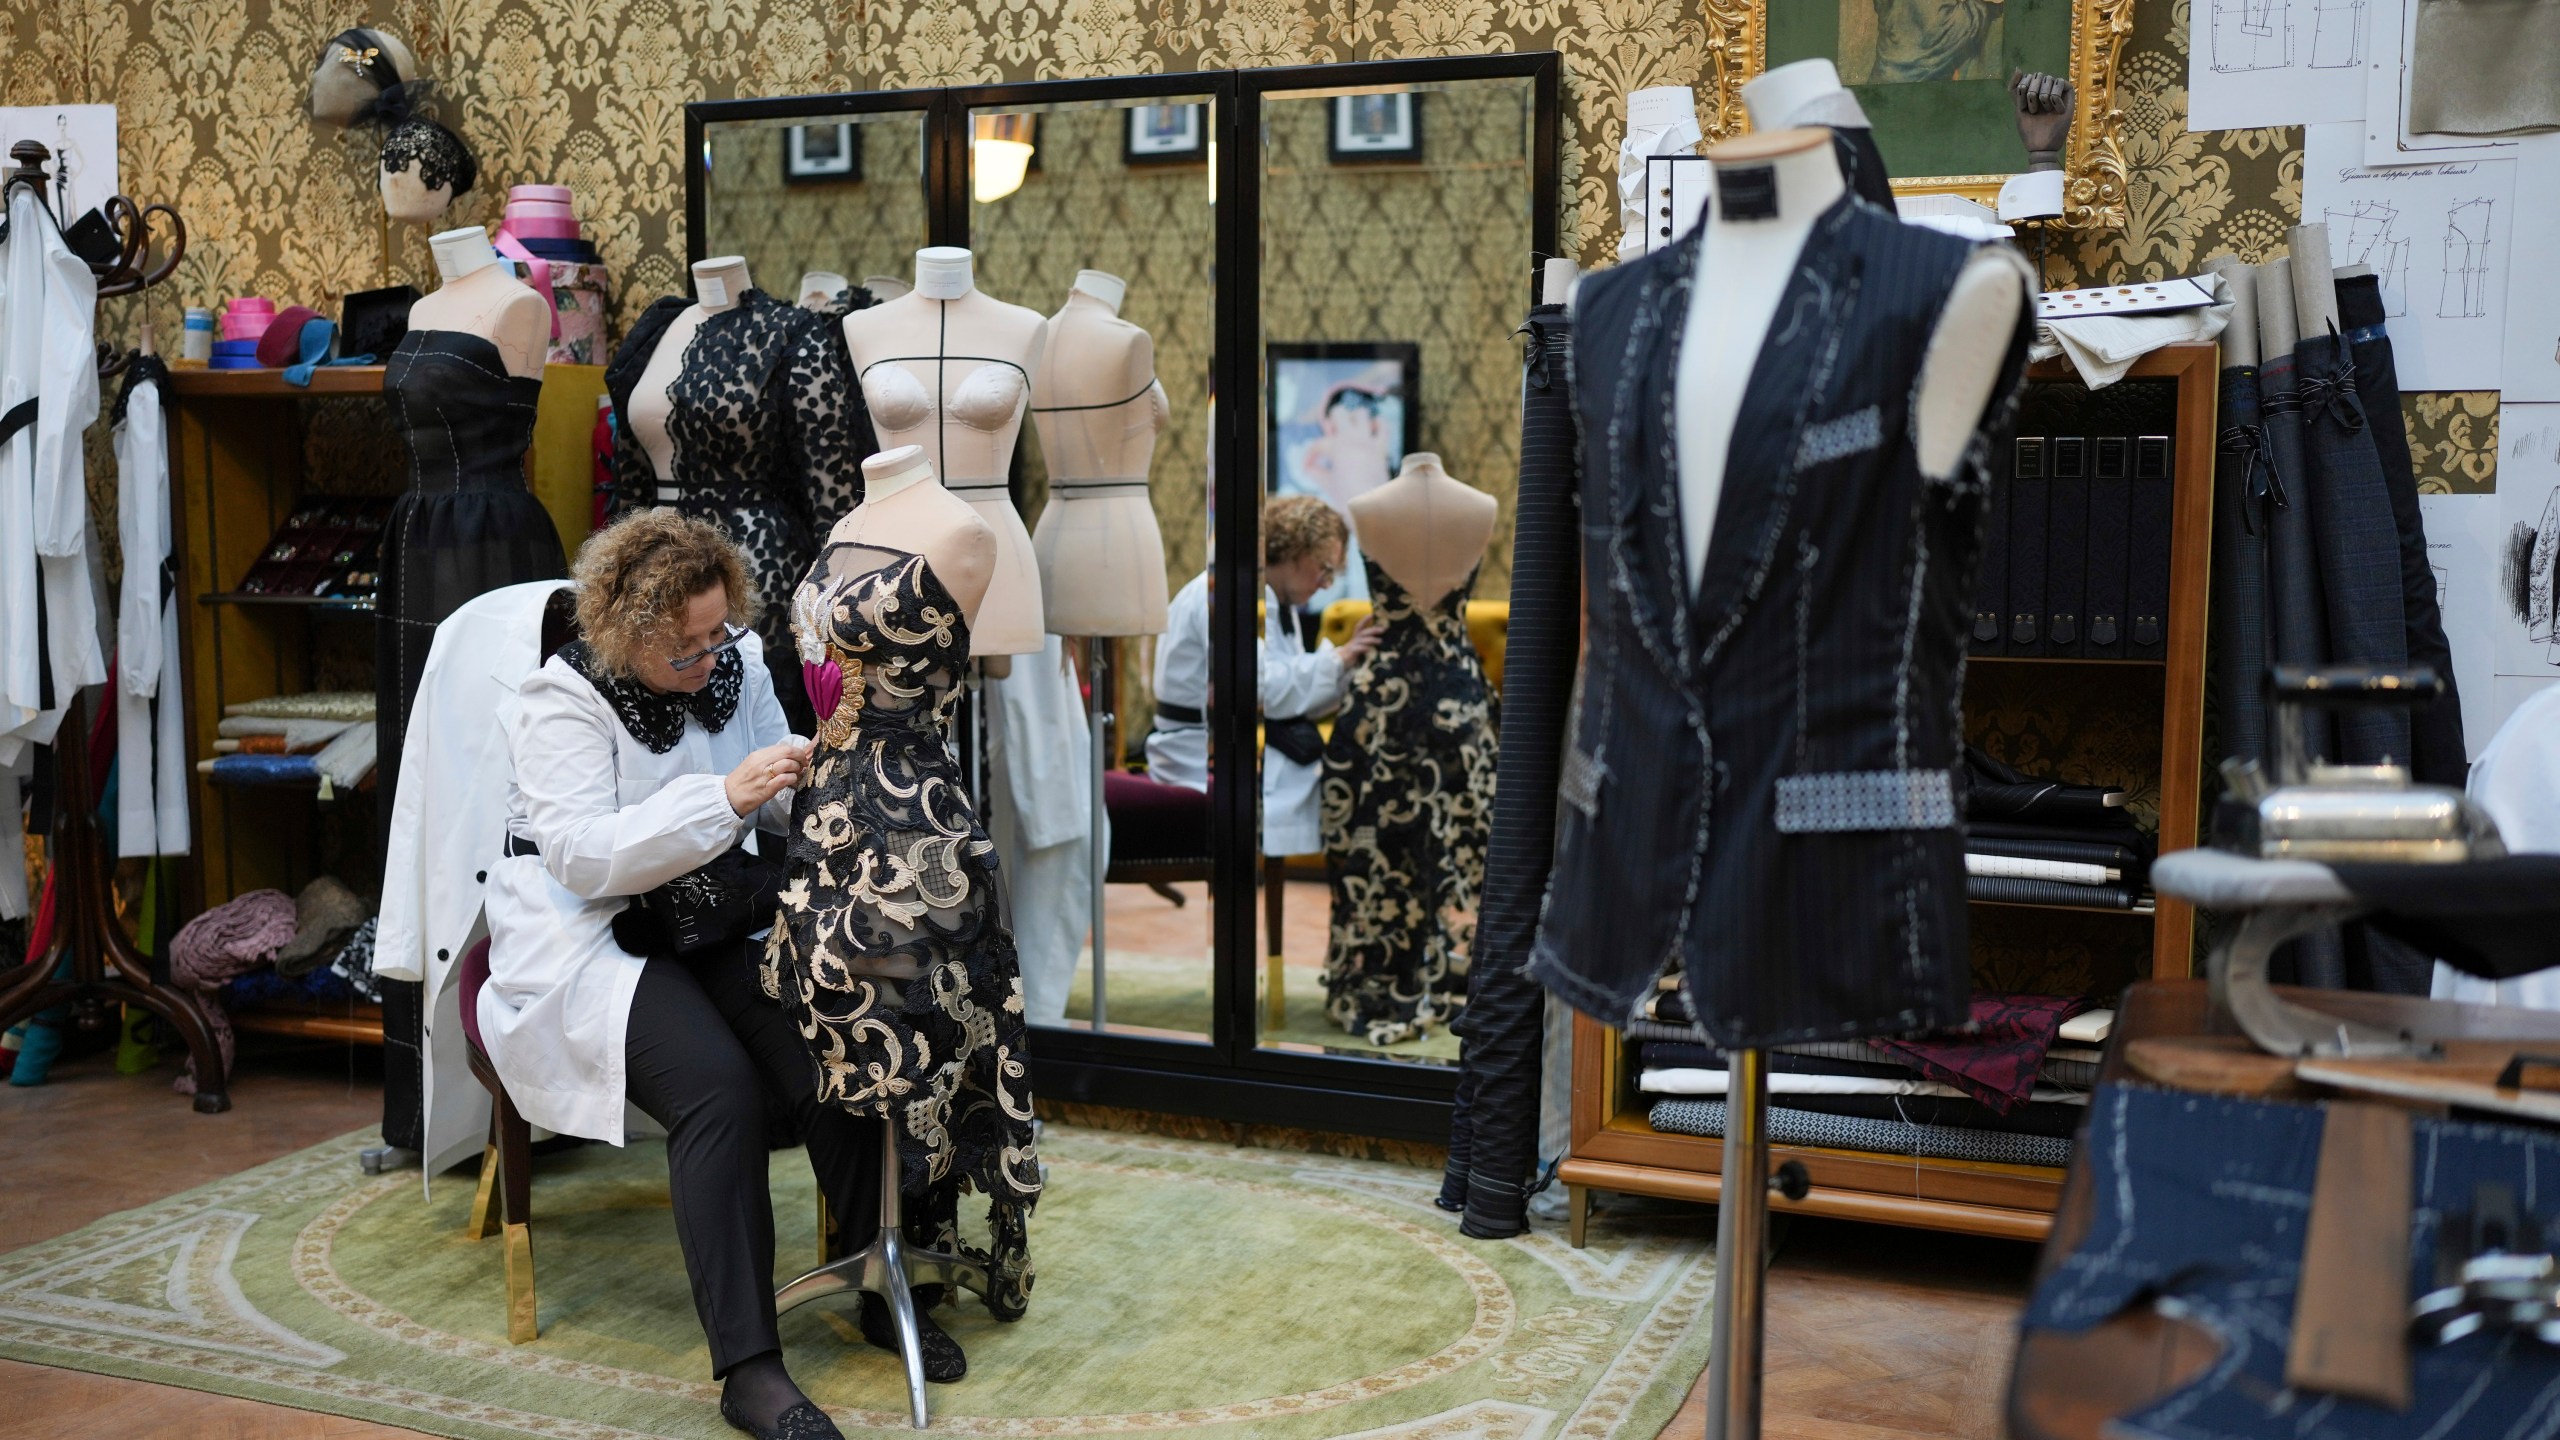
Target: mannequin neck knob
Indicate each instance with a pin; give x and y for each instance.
(944, 272)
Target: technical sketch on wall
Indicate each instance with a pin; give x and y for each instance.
(2527, 562)
(2466, 260)
(2438, 235)
(2532, 369)
(2368, 233)
(2274, 62)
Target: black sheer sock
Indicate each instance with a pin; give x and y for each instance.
(944, 1361)
(760, 1395)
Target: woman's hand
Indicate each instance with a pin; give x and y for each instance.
(766, 773)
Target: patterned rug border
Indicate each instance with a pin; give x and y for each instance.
(1670, 1316)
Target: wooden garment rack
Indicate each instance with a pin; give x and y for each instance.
(106, 969)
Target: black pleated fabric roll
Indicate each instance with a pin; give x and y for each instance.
(2436, 753)
(2358, 544)
(2242, 500)
(2300, 630)
(1493, 1139)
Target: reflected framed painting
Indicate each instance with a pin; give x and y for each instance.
(1167, 135)
(1933, 76)
(821, 153)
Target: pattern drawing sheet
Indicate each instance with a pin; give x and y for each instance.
(2275, 62)
(2532, 369)
(2438, 236)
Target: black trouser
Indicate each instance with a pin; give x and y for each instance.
(716, 1063)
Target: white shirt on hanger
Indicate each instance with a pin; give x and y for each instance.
(48, 324)
(151, 746)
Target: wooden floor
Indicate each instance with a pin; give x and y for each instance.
(1873, 1333)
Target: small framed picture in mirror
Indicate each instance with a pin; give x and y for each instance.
(1343, 415)
(816, 153)
(1375, 127)
(1167, 135)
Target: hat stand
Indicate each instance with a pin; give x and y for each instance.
(105, 968)
(890, 1268)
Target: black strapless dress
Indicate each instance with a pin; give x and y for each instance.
(466, 525)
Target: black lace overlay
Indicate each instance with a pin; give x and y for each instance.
(769, 436)
(441, 157)
(656, 718)
(889, 874)
(1408, 808)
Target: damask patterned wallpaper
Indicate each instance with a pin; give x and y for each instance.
(590, 93)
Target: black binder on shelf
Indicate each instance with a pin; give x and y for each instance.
(2029, 490)
(2147, 558)
(2102, 617)
(2066, 544)
(1991, 579)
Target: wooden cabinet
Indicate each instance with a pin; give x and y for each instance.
(1614, 1148)
(245, 447)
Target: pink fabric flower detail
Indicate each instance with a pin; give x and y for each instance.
(825, 684)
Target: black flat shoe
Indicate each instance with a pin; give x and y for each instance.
(943, 1360)
(804, 1421)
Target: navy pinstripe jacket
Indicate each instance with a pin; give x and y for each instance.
(1761, 782)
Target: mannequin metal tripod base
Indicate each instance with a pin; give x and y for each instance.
(890, 1268)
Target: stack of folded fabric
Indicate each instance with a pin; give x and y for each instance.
(2010, 1086)
(540, 231)
(2030, 841)
(329, 958)
(325, 739)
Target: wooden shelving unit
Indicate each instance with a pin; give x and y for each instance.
(238, 466)
(1615, 1148)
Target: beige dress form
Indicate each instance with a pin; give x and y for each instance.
(1096, 403)
(948, 368)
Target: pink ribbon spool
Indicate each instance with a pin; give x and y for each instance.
(539, 227)
(553, 194)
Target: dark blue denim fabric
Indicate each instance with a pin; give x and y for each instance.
(2202, 1203)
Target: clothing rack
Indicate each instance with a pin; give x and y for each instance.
(105, 966)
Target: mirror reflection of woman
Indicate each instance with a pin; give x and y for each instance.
(646, 749)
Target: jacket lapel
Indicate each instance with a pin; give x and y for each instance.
(1790, 377)
(1645, 477)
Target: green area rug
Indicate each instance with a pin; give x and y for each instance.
(1169, 992)
(1182, 1286)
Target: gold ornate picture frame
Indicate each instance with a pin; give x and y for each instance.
(1738, 34)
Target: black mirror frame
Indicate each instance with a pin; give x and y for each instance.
(1230, 1076)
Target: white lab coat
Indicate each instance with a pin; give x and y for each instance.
(48, 319)
(1291, 680)
(1042, 822)
(445, 834)
(2517, 780)
(613, 820)
(151, 747)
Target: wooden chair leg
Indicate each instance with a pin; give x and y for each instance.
(484, 1209)
(1577, 1214)
(1275, 880)
(1177, 897)
(515, 1187)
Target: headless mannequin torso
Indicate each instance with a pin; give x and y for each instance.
(1745, 263)
(1425, 528)
(947, 368)
(906, 509)
(478, 297)
(1098, 408)
(719, 284)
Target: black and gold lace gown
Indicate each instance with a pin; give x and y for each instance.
(891, 949)
(1408, 805)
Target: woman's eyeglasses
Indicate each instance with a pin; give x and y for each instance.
(736, 634)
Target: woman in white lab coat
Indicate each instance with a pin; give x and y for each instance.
(641, 752)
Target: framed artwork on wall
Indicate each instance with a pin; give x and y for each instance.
(1375, 127)
(1167, 135)
(1933, 76)
(821, 153)
(1343, 415)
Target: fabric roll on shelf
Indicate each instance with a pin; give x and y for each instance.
(2059, 872)
(2242, 499)
(1789, 1125)
(2298, 623)
(2001, 890)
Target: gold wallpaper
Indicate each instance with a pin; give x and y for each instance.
(590, 93)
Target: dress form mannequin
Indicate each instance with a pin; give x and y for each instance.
(948, 368)
(1426, 529)
(885, 288)
(478, 297)
(1809, 92)
(905, 508)
(1753, 255)
(817, 287)
(719, 283)
(1096, 403)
